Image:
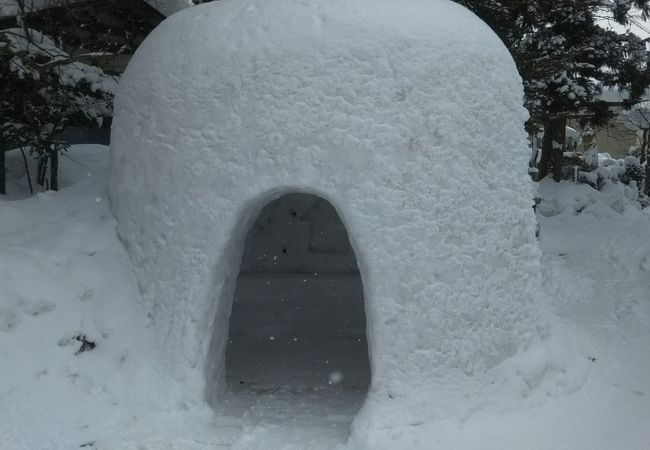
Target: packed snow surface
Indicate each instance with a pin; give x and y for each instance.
(64, 274)
(386, 110)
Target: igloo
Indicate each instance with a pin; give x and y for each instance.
(405, 116)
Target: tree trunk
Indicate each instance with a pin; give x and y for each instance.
(54, 169)
(645, 158)
(42, 169)
(553, 149)
(3, 178)
(643, 153)
(29, 178)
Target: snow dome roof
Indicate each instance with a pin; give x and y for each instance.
(406, 116)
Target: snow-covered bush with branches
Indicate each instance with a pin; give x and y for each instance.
(46, 90)
(628, 173)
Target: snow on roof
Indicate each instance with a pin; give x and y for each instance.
(406, 116)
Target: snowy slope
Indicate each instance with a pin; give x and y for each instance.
(64, 273)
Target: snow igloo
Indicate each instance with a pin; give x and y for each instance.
(403, 120)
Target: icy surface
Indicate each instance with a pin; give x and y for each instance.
(386, 110)
(63, 273)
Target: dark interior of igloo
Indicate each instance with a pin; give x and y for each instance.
(298, 322)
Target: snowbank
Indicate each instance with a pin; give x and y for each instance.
(65, 279)
(568, 198)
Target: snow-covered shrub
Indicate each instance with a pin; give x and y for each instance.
(568, 198)
(47, 90)
(634, 172)
(628, 172)
(617, 183)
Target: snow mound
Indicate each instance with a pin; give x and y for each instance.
(385, 110)
(72, 336)
(569, 198)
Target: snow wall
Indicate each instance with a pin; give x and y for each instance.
(406, 116)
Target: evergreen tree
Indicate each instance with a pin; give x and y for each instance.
(565, 58)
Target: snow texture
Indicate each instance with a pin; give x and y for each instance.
(406, 116)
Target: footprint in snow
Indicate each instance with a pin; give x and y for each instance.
(87, 294)
(11, 317)
(38, 308)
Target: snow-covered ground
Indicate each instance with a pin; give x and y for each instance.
(65, 278)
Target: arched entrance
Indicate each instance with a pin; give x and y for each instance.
(298, 323)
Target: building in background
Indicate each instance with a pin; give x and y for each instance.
(621, 135)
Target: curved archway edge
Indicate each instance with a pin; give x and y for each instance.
(215, 367)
